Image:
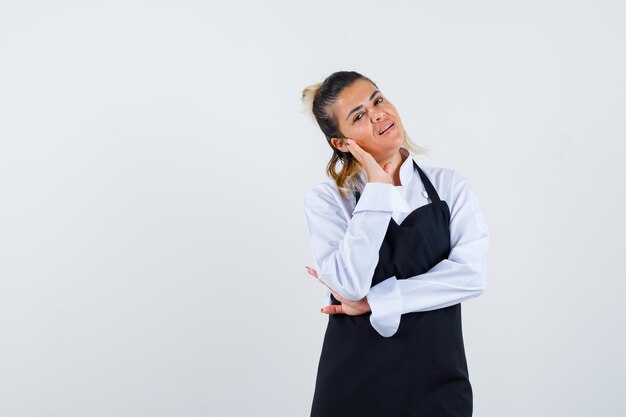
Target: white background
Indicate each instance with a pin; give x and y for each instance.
(154, 157)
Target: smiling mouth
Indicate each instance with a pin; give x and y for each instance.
(386, 129)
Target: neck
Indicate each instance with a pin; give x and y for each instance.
(396, 159)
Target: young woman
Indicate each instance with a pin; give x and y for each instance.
(399, 247)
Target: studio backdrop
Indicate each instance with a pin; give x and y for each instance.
(154, 157)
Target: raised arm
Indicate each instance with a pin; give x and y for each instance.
(345, 249)
(463, 275)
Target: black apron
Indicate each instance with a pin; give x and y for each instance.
(420, 371)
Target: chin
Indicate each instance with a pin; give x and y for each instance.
(400, 138)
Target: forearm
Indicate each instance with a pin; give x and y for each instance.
(462, 275)
(345, 248)
(446, 284)
(348, 270)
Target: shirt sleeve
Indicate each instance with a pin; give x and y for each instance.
(463, 275)
(345, 249)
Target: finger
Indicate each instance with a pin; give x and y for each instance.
(332, 309)
(354, 149)
(353, 304)
(387, 168)
(365, 159)
(361, 154)
(338, 297)
(311, 271)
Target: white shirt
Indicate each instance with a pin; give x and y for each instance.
(345, 241)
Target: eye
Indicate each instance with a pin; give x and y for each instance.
(359, 116)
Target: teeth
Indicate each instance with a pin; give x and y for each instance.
(385, 129)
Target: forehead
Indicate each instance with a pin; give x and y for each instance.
(358, 92)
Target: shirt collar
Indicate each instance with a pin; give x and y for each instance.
(406, 169)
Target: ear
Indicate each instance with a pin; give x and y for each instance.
(339, 143)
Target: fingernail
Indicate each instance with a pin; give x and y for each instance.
(322, 309)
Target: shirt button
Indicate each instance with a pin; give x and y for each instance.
(425, 194)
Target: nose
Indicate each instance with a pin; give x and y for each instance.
(377, 115)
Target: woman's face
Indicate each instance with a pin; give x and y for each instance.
(363, 113)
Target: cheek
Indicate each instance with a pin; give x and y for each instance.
(355, 132)
(369, 146)
(364, 135)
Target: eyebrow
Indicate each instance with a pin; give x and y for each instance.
(360, 105)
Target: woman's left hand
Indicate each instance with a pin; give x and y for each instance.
(351, 308)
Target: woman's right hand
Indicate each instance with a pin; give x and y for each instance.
(373, 171)
(351, 308)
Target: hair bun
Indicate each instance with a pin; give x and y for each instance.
(308, 95)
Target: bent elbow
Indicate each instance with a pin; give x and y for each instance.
(344, 279)
(353, 293)
(483, 281)
(478, 284)
(356, 294)
(348, 289)
(479, 291)
(481, 284)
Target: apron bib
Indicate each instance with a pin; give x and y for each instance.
(420, 371)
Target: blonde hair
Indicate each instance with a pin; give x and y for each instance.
(319, 98)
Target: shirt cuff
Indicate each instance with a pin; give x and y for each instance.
(380, 196)
(385, 300)
(325, 300)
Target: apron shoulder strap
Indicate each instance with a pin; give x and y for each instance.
(430, 189)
